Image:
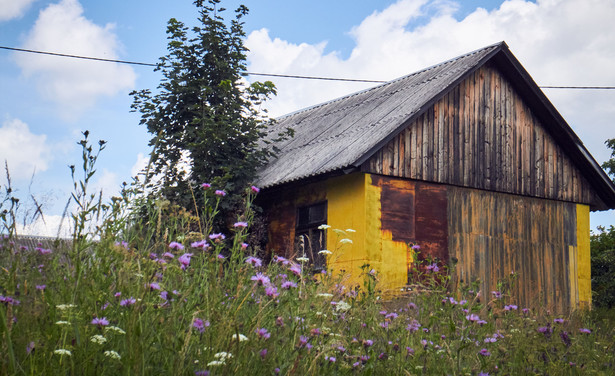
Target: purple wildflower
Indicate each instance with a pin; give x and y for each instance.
(281, 260)
(128, 302)
(168, 255)
(176, 245)
(510, 307)
(416, 247)
(240, 224)
(200, 244)
(484, 352)
(472, 317)
(217, 237)
(433, 268)
(558, 321)
(410, 351)
(367, 342)
(332, 359)
(255, 189)
(585, 331)
(154, 286)
(164, 295)
(303, 340)
(288, 285)
(30, 347)
(262, 333)
(43, 251)
(200, 325)
(205, 185)
(254, 261)
(220, 193)
(41, 287)
(184, 260)
(296, 269)
(272, 291)
(565, 338)
(413, 326)
(496, 294)
(261, 279)
(221, 256)
(118, 294)
(100, 321)
(263, 353)
(244, 246)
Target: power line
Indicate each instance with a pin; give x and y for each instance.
(266, 74)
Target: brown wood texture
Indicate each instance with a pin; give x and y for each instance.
(493, 234)
(483, 135)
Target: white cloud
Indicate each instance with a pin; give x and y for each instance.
(24, 151)
(139, 165)
(72, 83)
(560, 42)
(10, 9)
(49, 225)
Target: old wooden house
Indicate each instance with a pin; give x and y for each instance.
(467, 159)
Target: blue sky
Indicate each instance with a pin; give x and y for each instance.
(45, 102)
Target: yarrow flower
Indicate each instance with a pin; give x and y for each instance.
(112, 354)
(303, 259)
(63, 352)
(115, 329)
(176, 245)
(61, 322)
(98, 339)
(239, 337)
(325, 252)
(323, 227)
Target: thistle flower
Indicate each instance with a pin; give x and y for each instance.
(205, 185)
(200, 244)
(271, 291)
(296, 269)
(254, 261)
(558, 321)
(220, 193)
(433, 268)
(255, 189)
(154, 286)
(323, 227)
(184, 260)
(510, 307)
(484, 352)
(261, 279)
(263, 353)
(43, 251)
(128, 302)
(288, 285)
(168, 255)
(262, 333)
(240, 224)
(41, 287)
(200, 325)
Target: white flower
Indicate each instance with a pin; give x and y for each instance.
(303, 259)
(63, 307)
(324, 295)
(62, 323)
(113, 354)
(98, 339)
(325, 252)
(222, 356)
(323, 227)
(215, 363)
(63, 352)
(241, 337)
(115, 329)
(345, 241)
(350, 230)
(342, 306)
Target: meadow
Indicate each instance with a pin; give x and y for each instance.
(146, 288)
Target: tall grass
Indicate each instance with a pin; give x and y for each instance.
(150, 289)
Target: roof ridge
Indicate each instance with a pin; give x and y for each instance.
(300, 111)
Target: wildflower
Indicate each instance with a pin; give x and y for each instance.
(416, 247)
(41, 287)
(112, 354)
(384, 325)
(565, 338)
(8, 300)
(558, 321)
(585, 331)
(154, 286)
(205, 185)
(324, 295)
(481, 322)
(184, 260)
(272, 291)
(215, 363)
(315, 332)
(433, 268)
(255, 189)
(261, 279)
(350, 230)
(30, 347)
(281, 260)
(220, 193)
(303, 259)
(239, 337)
(100, 321)
(98, 339)
(288, 285)
(484, 352)
(254, 261)
(510, 307)
(123, 244)
(240, 224)
(128, 302)
(496, 294)
(323, 227)
(345, 241)
(115, 329)
(220, 256)
(62, 323)
(168, 255)
(218, 237)
(176, 245)
(367, 343)
(263, 353)
(324, 252)
(43, 251)
(525, 311)
(164, 295)
(472, 317)
(356, 364)
(201, 373)
(331, 359)
(410, 351)
(342, 306)
(262, 333)
(413, 326)
(296, 269)
(63, 352)
(200, 325)
(383, 356)
(244, 246)
(546, 330)
(200, 244)
(303, 340)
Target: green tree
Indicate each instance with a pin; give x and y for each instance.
(204, 118)
(602, 246)
(609, 166)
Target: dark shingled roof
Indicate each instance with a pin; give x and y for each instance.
(343, 133)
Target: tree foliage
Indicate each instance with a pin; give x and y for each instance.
(603, 267)
(609, 165)
(204, 118)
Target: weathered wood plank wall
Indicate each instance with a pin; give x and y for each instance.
(482, 135)
(493, 234)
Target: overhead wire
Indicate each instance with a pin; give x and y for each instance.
(265, 74)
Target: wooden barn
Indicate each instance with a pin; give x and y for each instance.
(467, 159)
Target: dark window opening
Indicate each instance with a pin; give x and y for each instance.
(309, 239)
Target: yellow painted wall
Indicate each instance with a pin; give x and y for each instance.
(353, 202)
(583, 257)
